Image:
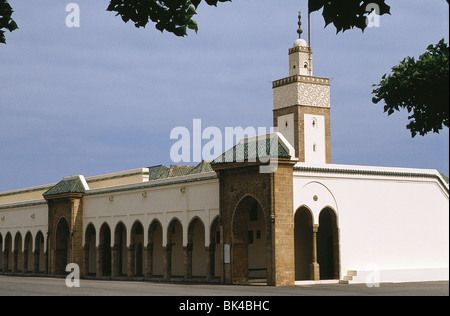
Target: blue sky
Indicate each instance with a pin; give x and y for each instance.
(104, 97)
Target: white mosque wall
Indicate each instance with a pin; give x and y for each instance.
(131, 203)
(393, 226)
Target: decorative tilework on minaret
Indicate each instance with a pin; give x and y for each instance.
(301, 105)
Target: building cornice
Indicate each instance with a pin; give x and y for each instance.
(380, 172)
(302, 79)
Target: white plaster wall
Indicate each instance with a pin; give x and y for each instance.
(33, 219)
(286, 127)
(400, 226)
(181, 201)
(314, 138)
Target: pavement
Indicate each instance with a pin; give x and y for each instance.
(47, 286)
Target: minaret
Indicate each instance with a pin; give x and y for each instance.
(301, 106)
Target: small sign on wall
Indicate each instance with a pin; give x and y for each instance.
(226, 253)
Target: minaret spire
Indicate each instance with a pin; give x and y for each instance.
(299, 30)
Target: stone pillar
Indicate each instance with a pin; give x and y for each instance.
(210, 262)
(25, 261)
(14, 263)
(167, 262)
(131, 261)
(86, 260)
(99, 262)
(314, 268)
(36, 261)
(114, 262)
(5, 260)
(148, 273)
(187, 261)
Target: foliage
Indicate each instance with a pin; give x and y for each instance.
(174, 16)
(421, 87)
(349, 13)
(6, 22)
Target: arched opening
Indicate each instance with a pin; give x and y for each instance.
(18, 258)
(303, 232)
(155, 250)
(136, 248)
(90, 250)
(328, 245)
(7, 258)
(28, 254)
(105, 250)
(215, 249)
(249, 249)
(120, 247)
(174, 249)
(196, 248)
(39, 254)
(62, 246)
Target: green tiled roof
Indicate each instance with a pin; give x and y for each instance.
(67, 185)
(163, 172)
(253, 150)
(204, 166)
(157, 172)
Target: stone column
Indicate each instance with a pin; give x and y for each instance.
(210, 262)
(99, 268)
(187, 261)
(86, 260)
(314, 268)
(5, 260)
(114, 262)
(131, 261)
(14, 263)
(36, 261)
(167, 262)
(148, 273)
(25, 261)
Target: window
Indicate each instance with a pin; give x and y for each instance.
(250, 236)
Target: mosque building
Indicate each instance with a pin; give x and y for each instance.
(272, 208)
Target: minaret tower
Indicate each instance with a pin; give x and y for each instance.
(301, 106)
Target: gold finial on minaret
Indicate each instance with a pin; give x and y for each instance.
(299, 31)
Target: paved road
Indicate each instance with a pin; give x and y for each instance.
(38, 286)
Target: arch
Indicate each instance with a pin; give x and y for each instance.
(7, 253)
(174, 249)
(136, 249)
(196, 251)
(17, 256)
(28, 257)
(215, 248)
(249, 241)
(104, 251)
(328, 245)
(303, 232)
(316, 196)
(90, 250)
(120, 251)
(39, 253)
(62, 246)
(155, 250)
